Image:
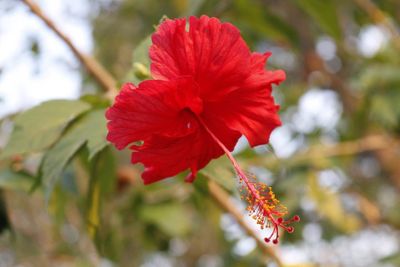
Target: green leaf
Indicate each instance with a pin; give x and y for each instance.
(221, 171)
(141, 52)
(380, 84)
(39, 127)
(260, 20)
(201, 183)
(330, 207)
(106, 170)
(392, 259)
(93, 206)
(141, 62)
(193, 7)
(102, 181)
(89, 130)
(96, 101)
(379, 76)
(382, 112)
(171, 218)
(324, 13)
(15, 180)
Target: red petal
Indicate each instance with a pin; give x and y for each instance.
(156, 107)
(212, 52)
(250, 108)
(229, 89)
(234, 84)
(167, 156)
(259, 76)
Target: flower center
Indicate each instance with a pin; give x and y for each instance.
(196, 105)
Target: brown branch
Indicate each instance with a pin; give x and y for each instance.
(368, 143)
(384, 147)
(101, 75)
(222, 198)
(389, 160)
(106, 80)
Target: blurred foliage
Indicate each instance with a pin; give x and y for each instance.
(27, 137)
(69, 198)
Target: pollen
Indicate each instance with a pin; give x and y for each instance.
(264, 207)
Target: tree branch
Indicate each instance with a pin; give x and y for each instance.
(368, 143)
(101, 75)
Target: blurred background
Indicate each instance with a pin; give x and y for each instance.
(69, 199)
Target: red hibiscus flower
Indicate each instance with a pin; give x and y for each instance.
(208, 90)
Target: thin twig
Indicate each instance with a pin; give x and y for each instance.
(368, 143)
(101, 75)
(106, 80)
